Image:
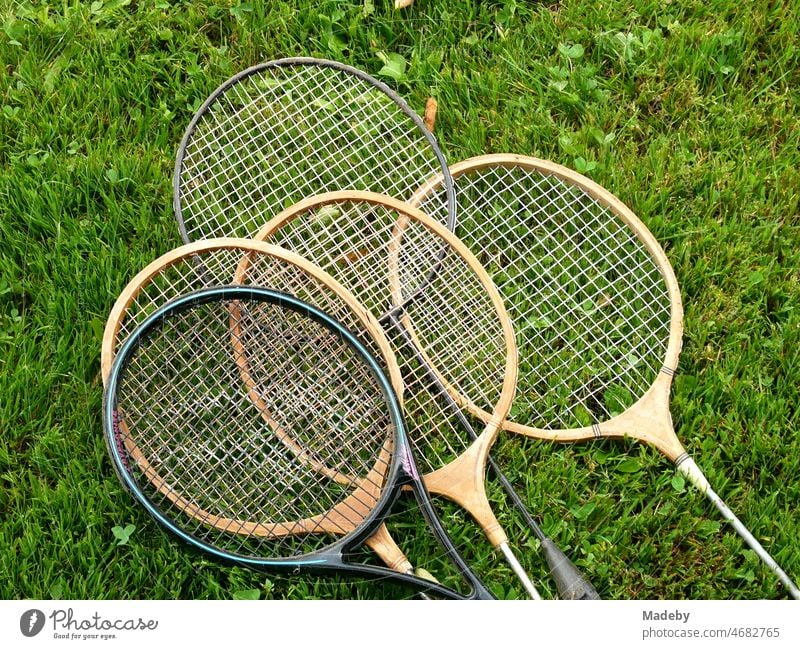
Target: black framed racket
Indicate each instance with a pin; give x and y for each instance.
(287, 129)
(197, 409)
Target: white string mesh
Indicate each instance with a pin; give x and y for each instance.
(207, 448)
(590, 308)
(384, 258)
(285, 132)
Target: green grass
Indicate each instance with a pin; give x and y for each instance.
(687, 111)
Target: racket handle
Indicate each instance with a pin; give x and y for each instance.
(569, 580)
(687, 467)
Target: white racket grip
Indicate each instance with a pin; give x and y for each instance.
(519, 571)
(692, 472)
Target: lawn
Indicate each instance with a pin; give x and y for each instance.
(688, 111)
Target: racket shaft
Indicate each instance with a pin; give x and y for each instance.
(692, 472)
(519, 571)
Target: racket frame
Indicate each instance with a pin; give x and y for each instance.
(401, 475)
(469, 467)
(322, 63)
(643, 415)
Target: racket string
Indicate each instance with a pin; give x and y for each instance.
(472, 353)
(251, 459)
(246, 263)
(221, 510)
(178, 386)
(575, 239)
(362, 141)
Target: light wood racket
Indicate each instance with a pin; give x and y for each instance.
(595, 303)
(215, 263)
(440, 310)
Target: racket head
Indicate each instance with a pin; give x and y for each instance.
(225, 486)
(219, 262)
(172, 406)
(402, 264)
(595, 302)
(290, 128)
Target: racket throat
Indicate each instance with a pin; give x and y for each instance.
(648, 420)
(462, 481)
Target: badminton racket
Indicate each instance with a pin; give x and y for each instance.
(595, 303)
(205, 457)
(441, 311)
(214, 263)
(287, 129)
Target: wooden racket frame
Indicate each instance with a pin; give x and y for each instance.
(381, 541)
(463, 479)
(649, 419)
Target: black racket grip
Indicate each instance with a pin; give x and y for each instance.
(569, 580)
